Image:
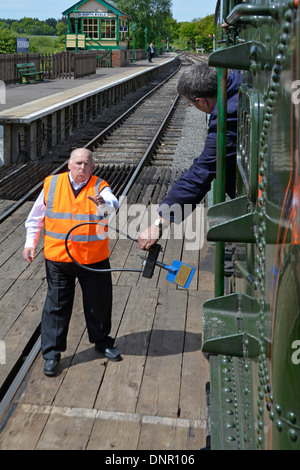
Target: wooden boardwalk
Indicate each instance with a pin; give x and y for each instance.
(153, 399)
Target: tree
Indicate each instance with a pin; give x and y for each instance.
(61, 28)
(32, 26)
(197, 34)
(7, 41)
(188, 30)
(3, 25)
(51, 22)
(204, 32)
(154, 15)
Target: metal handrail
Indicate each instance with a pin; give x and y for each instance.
(220, 174)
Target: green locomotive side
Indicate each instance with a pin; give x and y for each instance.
(252, 332)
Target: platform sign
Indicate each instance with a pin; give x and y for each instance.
(86, 14)
(123, 29)
(22, 44)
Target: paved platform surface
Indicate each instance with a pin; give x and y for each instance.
(59, 90)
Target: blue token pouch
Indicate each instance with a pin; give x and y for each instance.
(180, 273)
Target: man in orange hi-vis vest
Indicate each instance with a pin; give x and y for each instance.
(70, 199)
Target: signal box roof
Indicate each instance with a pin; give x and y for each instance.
(109, 5)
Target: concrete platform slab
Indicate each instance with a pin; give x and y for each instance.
(24, 101)
(38, 116)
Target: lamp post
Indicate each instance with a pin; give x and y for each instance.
(214, 40)
(133, 33)
(76, 14)
(159, 43)
(146, 42)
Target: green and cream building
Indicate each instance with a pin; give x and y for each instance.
(95, 25)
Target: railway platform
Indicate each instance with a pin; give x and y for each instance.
(62, 105)
(18, 95)
(154, 399)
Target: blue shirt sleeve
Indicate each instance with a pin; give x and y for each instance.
(192, 186)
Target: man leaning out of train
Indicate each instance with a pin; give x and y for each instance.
(199, 85)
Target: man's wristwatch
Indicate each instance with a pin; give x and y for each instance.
(158, 223)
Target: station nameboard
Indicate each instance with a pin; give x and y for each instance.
(93, 14)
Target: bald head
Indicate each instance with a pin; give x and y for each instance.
(81, 164)
(82, 152)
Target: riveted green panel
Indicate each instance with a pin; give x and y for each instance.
(231, 325)
(251, 14)
(240, 57)
(250, 119)
(254, 397)
(232, 421)
(237, 221)
(231, 221)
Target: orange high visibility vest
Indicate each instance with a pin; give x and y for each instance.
(87, 244)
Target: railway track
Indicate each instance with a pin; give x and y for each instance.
(122, 139)
(123, 142)
(134, 153)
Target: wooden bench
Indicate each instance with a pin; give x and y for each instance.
(27, 71)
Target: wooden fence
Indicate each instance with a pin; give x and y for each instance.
(63, 65)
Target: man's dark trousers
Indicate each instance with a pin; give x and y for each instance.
(97, 303)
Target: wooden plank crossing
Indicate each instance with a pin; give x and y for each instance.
(153, 399)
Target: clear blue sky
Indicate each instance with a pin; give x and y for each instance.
(187, 10)
(183, 10)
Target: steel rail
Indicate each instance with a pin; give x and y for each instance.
(149, 149)
(18, 379)
(129, 111)
(89, 145)
(8, 212)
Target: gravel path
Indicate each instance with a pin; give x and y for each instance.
(193, 138)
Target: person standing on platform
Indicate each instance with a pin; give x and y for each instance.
(69, 199)
(199, 85)
(150, 52)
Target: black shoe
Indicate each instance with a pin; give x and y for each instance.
(50, 367)
(112, 354)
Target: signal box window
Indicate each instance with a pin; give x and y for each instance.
(108, 29)
(90, 27)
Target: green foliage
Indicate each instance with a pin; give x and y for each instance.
(204, 31)
(3, 25)
(44, 36)
(33, 26)
(46, 44)
(8, 43)
(155, 15)
(198, 33)
(61, 28)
